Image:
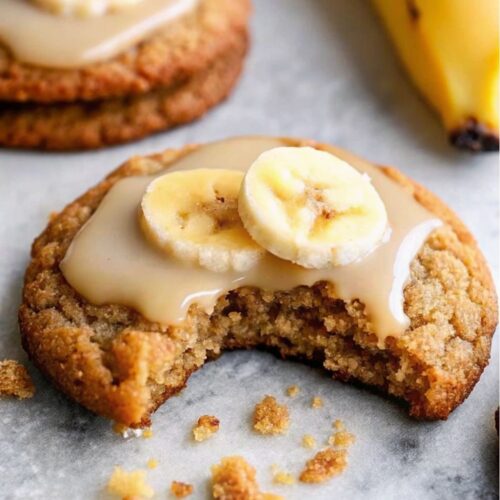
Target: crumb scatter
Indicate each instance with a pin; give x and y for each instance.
(316, 402)
(308, 441)
(338, 425)
(234, 479)
(281, 476)
(324, 465)
(341, 438)
(293, 390)
(181, 490)
(147, 433)
(15, 380)
(205, 427)
(129, 484)
(152, 463)
(270, 417)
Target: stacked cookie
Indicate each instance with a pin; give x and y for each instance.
(173, 76)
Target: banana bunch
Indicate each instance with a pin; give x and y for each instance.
(450, 50)
(300, 204)
(84, 8)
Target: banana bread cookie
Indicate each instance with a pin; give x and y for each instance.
(118, 363)
(171, 77)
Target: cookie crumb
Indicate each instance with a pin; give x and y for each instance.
(152, 463)
(129, 484)
(316, 402)
(281, 477)
(324, 465)
(293, 390)
(234, 478)
(206, 426)
(15, 380)
(147, 433)
(308, 441)
(270, 417)
(341, 438)
(181, 490)
(339, 425)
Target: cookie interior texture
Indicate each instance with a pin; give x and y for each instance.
(120, 365)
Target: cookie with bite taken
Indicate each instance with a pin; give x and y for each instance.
(286, 244)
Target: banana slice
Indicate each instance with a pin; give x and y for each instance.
(311, 208)
(84, 8)
(193, 215)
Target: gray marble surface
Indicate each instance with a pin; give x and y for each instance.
(320, 69)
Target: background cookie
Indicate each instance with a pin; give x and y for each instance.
(172, 78)
(189, 46)
(87, 350)
(84, 125)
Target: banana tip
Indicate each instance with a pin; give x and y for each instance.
(474, 136)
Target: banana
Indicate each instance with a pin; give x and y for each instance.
(84, 8)
(193, 215)
(450, 49)
(311, 208)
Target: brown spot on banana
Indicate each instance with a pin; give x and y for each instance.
(413, 10)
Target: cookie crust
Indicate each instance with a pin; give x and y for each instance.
(171, 57)
(120, 365)
(89, 125)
